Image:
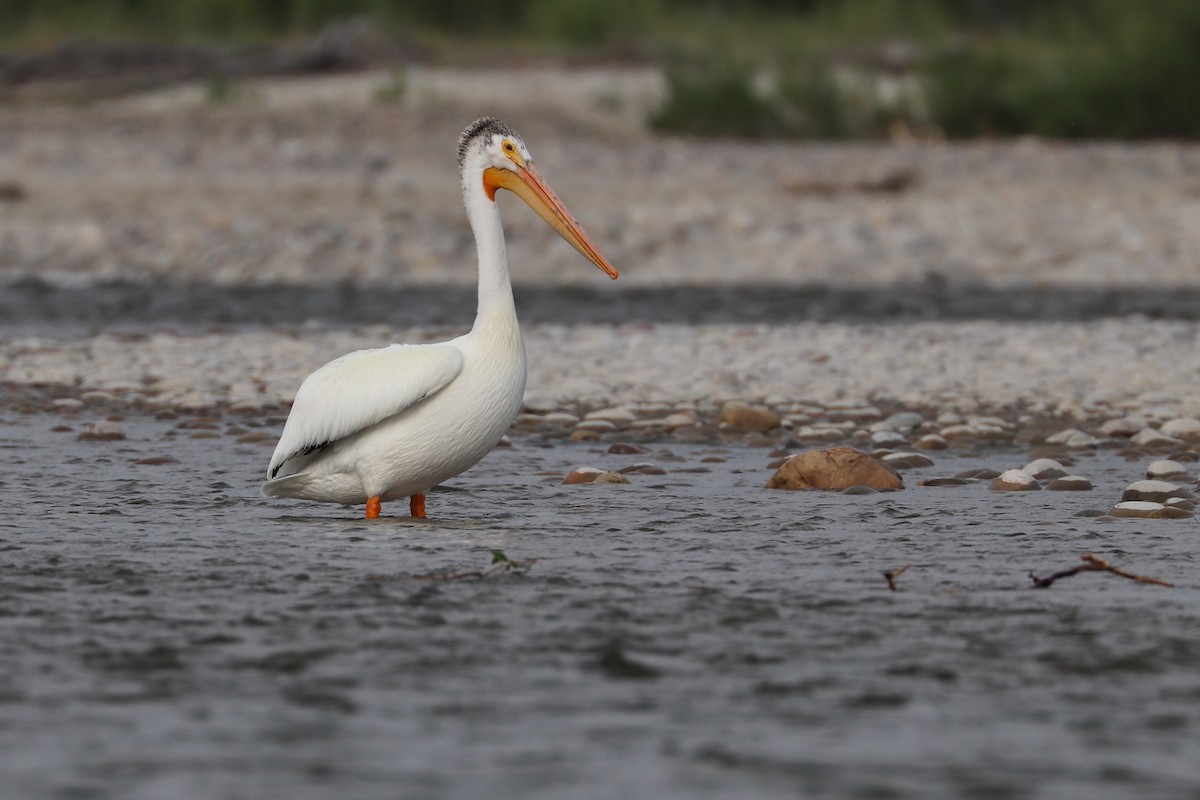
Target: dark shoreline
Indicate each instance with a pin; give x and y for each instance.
(36, 306)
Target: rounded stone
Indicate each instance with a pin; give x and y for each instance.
(1014, 480)
(1070, 483)
(1154, 491)
(743, 417)
(583, 475)
(888, 439)
(836, 468)
(932, 441)
(1145, 509)
(1148, 437)
(610, 477)
(102, 431)
(1165, 469)
(1185, 428)
(1044, 469)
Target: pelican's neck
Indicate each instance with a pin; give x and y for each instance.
(495, 290)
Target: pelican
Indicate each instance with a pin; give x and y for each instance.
(395, 421)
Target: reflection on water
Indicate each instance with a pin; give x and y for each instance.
(167, 632)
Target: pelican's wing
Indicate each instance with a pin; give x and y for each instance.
(360, 389)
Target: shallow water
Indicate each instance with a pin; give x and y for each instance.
(167, 632)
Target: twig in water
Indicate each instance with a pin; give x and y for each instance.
(891, 575)
(501, 563)
(1094, 563)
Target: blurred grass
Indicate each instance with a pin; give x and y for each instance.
(762, 68)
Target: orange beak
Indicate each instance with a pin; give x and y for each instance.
(527, 184)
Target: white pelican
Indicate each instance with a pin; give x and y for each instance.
(396, 421)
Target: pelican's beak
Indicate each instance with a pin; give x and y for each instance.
(527, 184)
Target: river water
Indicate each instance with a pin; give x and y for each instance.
(165, 631)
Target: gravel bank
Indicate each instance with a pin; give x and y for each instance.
(920, 252)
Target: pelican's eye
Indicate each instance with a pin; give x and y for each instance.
(514, 155)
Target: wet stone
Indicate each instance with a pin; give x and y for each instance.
(738, 416)
(1014, 480)
(932, 441)
(943, 482)
(1045, 469)
(626, 449)
(1146, 509)
(1154, 491)
(102, 431)
(1167, 470)
(1185, 428)
(836, 468)
(610, 477)
(583, 475)
(1070, 483)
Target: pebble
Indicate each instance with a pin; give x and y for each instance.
(932, 441)
(1045, 469)
(1148, 437)
(835, 468)
(906, 460)
(743, 417)
(887, 438)
(1154, 491)
(615, 416)
(812, 434)
(958, 431)
(1147, 510)
(560, 418)
(1014, 480)
(680, 419)
(1186, 428)
(1074, 439)
(626, 449)
(1167, 469)
(596, 426)
(583, 475)
(67, 404)
(609, 477)
(102, 431)
(1123, 426)
(944, 482)
(1070, 483)
(901, 421)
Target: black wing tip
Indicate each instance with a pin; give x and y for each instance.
(303, 451)
(484, 126)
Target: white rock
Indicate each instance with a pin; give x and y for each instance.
(1166, 468)
(680, 419)
(560, 418)
(1073, 438)
(596, 425)
(1014, 480)
(1154, 491)
(958, 431)
(1147, 510)
(813, 434)
(1123, 426)
(617, 416)
(931, 441)
(1045, 469)
(1184, 428)
(1148, 437)
(888, 439)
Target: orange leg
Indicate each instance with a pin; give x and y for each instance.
(374, 507)
(416, 505)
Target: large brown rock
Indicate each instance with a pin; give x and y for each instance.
(835, 468)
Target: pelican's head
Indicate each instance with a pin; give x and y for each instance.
(492, 152)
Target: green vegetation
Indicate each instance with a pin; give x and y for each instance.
(782, 68)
